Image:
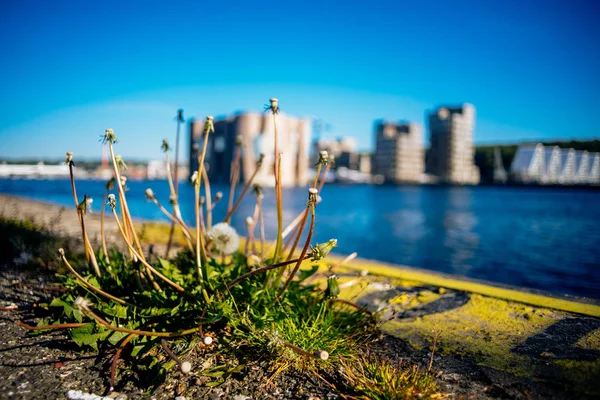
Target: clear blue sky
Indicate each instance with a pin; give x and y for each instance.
(71, 69)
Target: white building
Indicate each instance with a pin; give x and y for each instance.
(39, 170)
(567, 167)
(528, 164)
(552, 165)
(594, 174)
(534, 163)
(581, 166)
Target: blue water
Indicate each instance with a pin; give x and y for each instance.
(541, 238)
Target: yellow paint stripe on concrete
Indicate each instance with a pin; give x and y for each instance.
(474, 287)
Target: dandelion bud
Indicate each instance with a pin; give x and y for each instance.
(185, 367)
(61, 251)
(323, 157)
(202, 200)
(120, 163)
(218, 196)
(321, 251)
(274, 105)
(260, 160)
(239, 141)
(109, 136)
(112, 201)
(86, 205)
(196, 148)
(322, 354)
(207, 340)
(123, 180)
(333, 287)
(173, 199)
(149, 194)
(110, 184)
(312, 195)
(258, 190)
(332, 160)
(165, 145)
(249, 221)
(69, 159)
(179, 116)
(194, 178)
(209, 125)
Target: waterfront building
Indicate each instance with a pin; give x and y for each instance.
(581, 166)
(39, 170)
(528, 164)
(551, 164)
(567, 167)
(399, 155)
(594, 174)
(451, 156)
(255, 131)
(534, 163)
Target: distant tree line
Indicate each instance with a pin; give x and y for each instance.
(484, 155)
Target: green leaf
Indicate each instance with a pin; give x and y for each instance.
(215, 383)
(116, 337)
(67, 307)
(92, 280)
(84, 336)
(304, 274)
(116, 310)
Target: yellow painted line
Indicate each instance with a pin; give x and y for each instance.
(474, 287)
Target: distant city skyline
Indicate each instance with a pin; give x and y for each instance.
(73, 69)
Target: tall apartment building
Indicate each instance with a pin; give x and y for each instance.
(451, 156)
(399, 155)
(257, 135)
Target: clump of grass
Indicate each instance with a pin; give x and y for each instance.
(377, 378)
(170, 311)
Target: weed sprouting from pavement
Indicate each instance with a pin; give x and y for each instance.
(216, 295)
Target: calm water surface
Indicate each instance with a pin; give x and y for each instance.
(542, 238)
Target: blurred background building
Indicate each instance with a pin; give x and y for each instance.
(256, 133)
(399, 154)
(451, 154)
(552, 165)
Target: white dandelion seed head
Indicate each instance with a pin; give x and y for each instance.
(224, 238)
(185, 367)
(80, 302)
(207, 340)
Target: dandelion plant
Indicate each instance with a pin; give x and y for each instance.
(212, 297)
